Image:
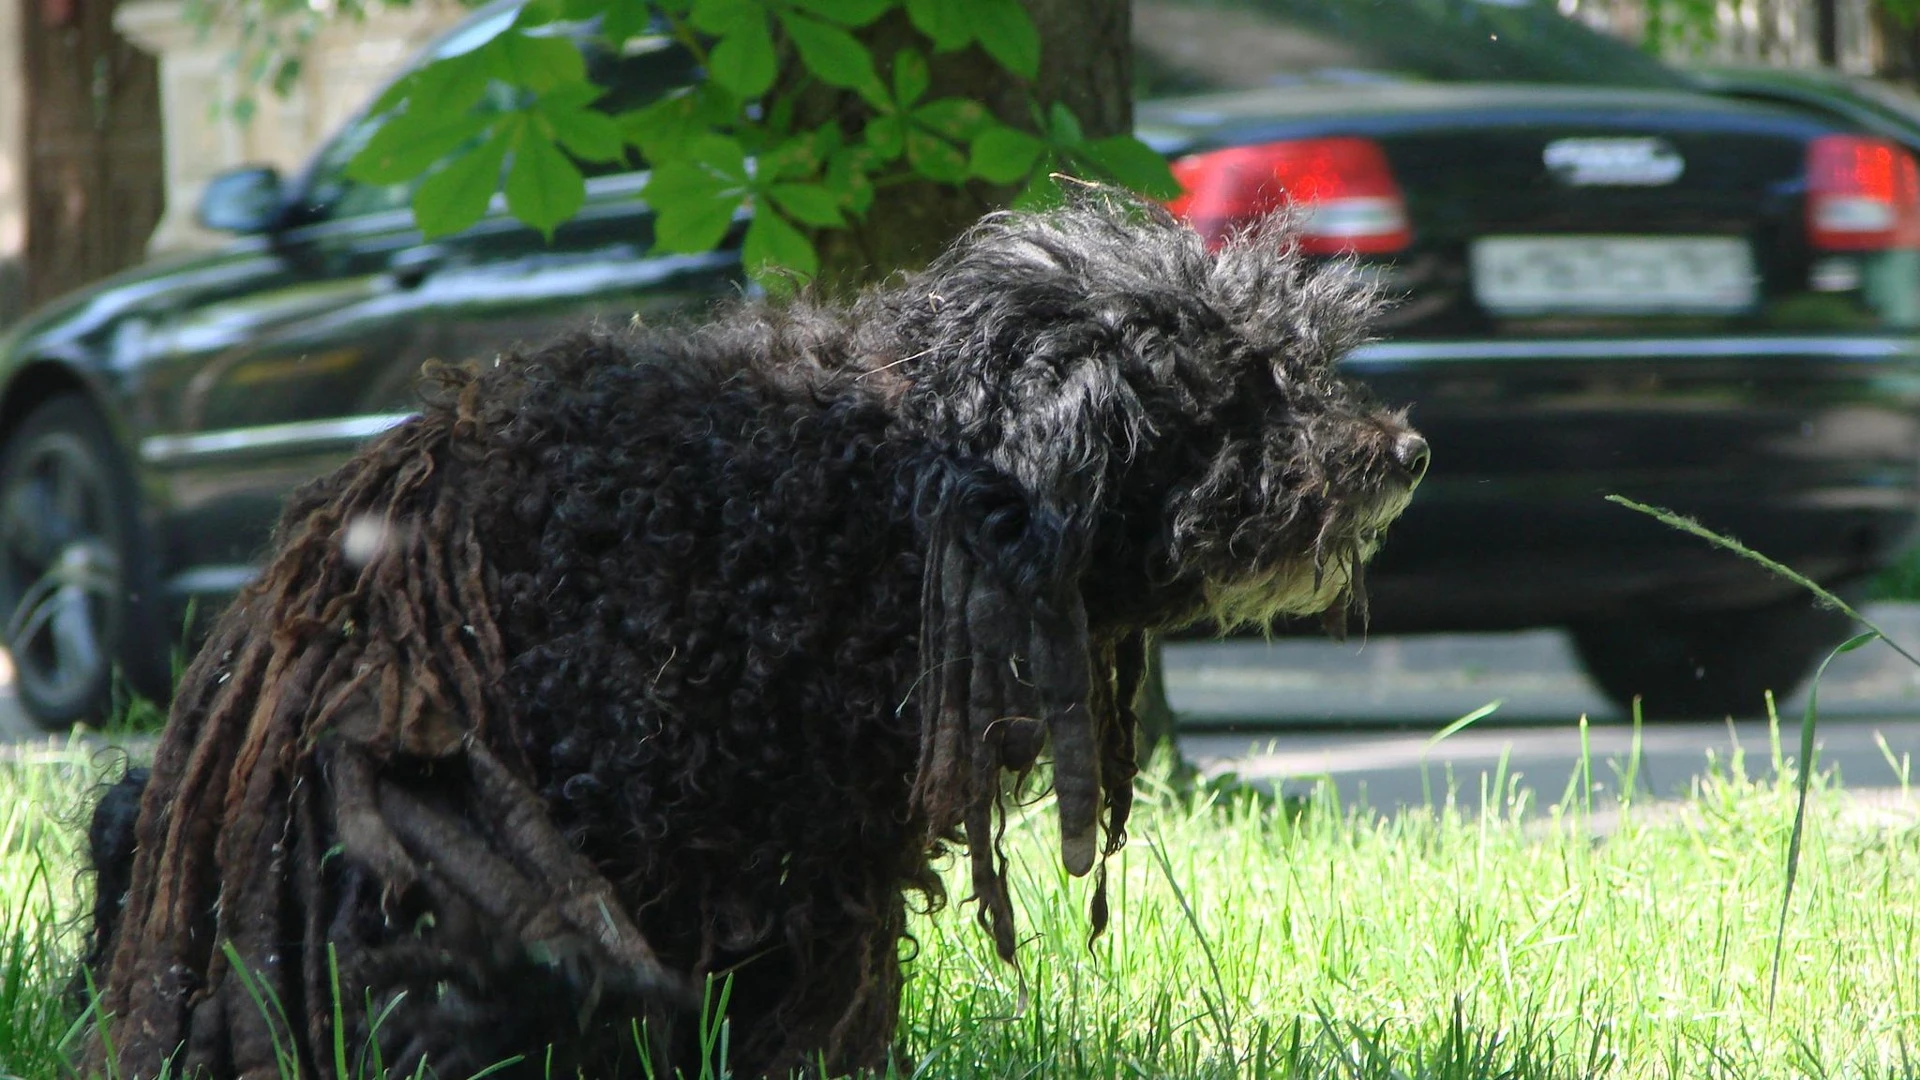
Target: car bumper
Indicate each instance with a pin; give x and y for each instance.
(1807, 449)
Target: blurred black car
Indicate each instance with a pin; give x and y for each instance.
(1875, 105)
(1608, 281)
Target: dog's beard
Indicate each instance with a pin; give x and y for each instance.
(1330, 584)
(1254, 601)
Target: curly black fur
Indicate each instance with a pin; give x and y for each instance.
(652, 657)
(110, 848)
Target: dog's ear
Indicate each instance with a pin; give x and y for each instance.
(1006, 658)
(1007, 663)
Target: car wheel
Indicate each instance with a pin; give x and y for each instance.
(74, 578)
(1711, 665)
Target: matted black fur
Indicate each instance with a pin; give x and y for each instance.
(678, 653)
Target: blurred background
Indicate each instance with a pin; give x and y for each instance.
(1695, 224)
(115, 113)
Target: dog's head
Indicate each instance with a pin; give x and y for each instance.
(1134, 432)
(1175, 410)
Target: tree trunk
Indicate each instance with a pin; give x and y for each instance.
(94, 187)
(1086, 63)
(1826, 31)
(1898, 55)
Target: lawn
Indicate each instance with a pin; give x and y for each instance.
(1275, 940)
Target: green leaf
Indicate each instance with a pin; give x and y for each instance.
(778, 115)
(1133, 164)
(1064, 127)
(827, 138)
(945, 22)
(570, 97)
(959, 119)
(744, 62)
(911, 77)
(688, 224)
(409, 142)
(1007, 33)
(772, 242)
(850, 177)
(832, 54)
(624, 21)
(846, 12)
(722, 156)
(285, 75)
(1003, 154)
(587, 134)
(588, 10)
(538, 63)
(799, 155)
(452, 84)
(887, 135)
(456, 196)
(710, 166)
(401, 91)
(663, 129)
(539, 13)
(935, 158)
(809, 204)
(543, 187)
(694, 196)
(724, 17)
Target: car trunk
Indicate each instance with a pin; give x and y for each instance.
(1607, 291)
(1543, 210)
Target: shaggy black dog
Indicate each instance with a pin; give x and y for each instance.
(650, 658)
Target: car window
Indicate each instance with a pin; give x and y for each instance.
(644, 69)
(1199, 46)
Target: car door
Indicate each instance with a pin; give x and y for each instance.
(278, 383)
(280, 379)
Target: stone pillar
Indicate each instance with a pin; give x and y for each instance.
(345, 64)
(13, 158)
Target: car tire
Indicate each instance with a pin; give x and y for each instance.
(76, 579)
(1710, 665)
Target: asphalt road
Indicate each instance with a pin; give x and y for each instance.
(1362, 715)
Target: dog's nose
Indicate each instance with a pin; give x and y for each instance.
(1410, 451)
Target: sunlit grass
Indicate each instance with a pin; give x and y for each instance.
(1643, 954)
(41, 793)
(1253, 939)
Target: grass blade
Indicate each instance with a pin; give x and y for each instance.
(1803, 782)
(1688, 525)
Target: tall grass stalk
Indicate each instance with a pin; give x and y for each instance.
(1809, 718)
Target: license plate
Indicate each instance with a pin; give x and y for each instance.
(1624, 275)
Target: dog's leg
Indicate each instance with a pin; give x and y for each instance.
(500, 939)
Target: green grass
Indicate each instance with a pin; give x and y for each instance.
(1256, 939)
(40, 850)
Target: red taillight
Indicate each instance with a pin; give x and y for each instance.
(1343, 187)
(1863, 194)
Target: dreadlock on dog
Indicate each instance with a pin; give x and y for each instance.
(651, 658)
